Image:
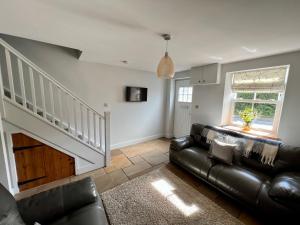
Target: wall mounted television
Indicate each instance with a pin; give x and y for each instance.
(136, 94)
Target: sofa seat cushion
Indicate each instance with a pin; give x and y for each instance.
(240, 182)
(194, 159)
(92, 214)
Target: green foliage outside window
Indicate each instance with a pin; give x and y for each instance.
(267, 96)
(263, 110)
(245, 95)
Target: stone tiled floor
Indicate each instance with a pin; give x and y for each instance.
(130, 162)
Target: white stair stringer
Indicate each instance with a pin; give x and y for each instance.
(92, 158)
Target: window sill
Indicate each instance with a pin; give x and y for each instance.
(252, 132)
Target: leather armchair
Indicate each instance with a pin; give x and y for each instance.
(71, 204)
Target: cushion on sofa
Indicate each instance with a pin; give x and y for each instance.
(285, 189)
(222, 151)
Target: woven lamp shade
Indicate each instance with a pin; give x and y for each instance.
(165, 69)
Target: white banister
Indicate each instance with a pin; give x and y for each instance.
(32, 87)
(68, 111)
(22, 84)
(100, 133)
(107, 138)
(52, 102)
(95, 129)
(88, 125)
(75, 116)
(81, 120)
(10, 75)
(45, 74)
(42, 88)
(59, 95)
(2, 111)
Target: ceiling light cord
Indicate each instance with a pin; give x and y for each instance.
(167, 46)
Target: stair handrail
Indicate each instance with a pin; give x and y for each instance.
(45, 74)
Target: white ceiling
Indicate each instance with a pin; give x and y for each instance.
(203, 31)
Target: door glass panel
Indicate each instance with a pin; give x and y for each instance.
(185, 94)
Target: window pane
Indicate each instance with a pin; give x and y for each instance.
(180, 98)
(238, 107)
(265, 110)
(180, 91)
(267, 96)
(245, 96)
(190, 90)
(265, 115)
(185, 90)
(185, 98)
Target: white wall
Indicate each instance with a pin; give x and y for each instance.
(98, 84)
(210, 98)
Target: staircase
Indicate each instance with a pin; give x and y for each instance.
(37, 104)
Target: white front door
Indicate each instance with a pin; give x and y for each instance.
(183, 105)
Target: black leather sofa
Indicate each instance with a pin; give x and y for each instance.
(270, 190)
(76, 203)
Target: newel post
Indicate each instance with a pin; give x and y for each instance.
(107, 138)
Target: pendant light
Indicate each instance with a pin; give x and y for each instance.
(165, 69)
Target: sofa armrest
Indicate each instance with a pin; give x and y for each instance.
(285, 189)
(57, 202)
(181, 143)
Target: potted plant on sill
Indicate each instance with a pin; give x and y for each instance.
(247, 115)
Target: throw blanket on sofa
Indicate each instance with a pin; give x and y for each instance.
(267, 151)
(209, 134)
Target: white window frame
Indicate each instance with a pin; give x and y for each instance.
(278, 103)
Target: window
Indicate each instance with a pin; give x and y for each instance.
(185, 94)
(261, 90)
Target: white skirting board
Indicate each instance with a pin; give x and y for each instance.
(135, 141)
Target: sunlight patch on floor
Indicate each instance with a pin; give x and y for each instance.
(166, 190)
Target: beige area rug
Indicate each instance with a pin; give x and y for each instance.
(162, 198)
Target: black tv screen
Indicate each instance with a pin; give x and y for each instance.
(136, 94)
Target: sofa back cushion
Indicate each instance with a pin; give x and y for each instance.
(196, 134)
(9, 213)
(288, 158)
